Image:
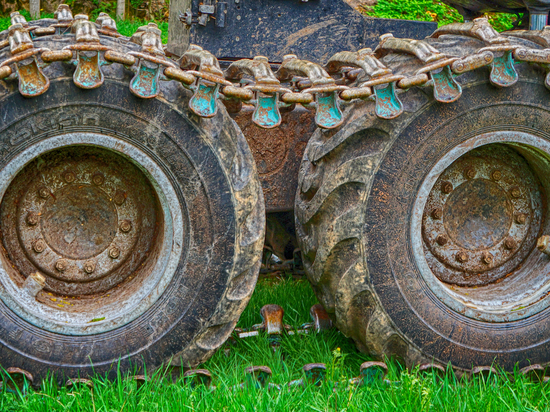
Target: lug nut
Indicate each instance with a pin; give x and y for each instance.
(446, 187)
(487, 258)
(114, 252)
(543, 244)
(89, 266)
(515, 192)
(32, 219)
(69, 177)
(437, 213)
(521, 218)
(125, 226)
(470, 173)
(43, 192)
(119, 198)
(61, 265)
(98, 178)
(441, 240)
(462, 257)
(39, 246)
(496, 175)
(509, 243)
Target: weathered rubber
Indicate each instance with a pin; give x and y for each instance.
(353, 208)
(211, 167)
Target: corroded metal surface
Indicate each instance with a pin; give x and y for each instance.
(482, 217)
(85, 218)
(277, 153)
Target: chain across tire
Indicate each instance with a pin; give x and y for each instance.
(360, 77)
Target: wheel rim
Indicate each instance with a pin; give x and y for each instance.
(97, 227)
(475, 224)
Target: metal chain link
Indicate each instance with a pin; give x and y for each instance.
(251, 81)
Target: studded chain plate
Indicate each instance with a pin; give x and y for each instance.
(85, 218)
(482, 217)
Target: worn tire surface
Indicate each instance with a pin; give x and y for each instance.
(357, 188)
(211, 169)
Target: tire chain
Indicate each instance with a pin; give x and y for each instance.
(348, 76)
(16, 380)
(357, 76)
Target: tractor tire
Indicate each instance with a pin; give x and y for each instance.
(131, 229)
(419, 233)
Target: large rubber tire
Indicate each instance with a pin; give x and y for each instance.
(204, 171)
(355, 212)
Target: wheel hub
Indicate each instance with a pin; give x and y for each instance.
(479, 221)
(85, 219)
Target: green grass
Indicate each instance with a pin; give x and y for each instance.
(409, 392)
(431, 10)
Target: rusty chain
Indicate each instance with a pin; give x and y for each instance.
(16, 380)
(348, 76)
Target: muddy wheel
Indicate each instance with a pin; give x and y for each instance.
(419, 234)
(131, 229)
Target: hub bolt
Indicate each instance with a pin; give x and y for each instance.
(462, 257)
(441, 240)
(119, 198)
(446, 187)
(437, 213)
(98, 178)
(69, 177)
(509, 243)
(496, 175)
(61, 265)
(515, 192)
(32, 219)
(487, 258)
(114, 252)
(521, 218)
(89, 266)
(43, 192)
(38, 246)
(125, 226)
(470, 173)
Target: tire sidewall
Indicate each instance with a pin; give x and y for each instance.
(414, 309)
(186, 156)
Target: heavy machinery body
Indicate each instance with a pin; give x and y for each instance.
(408, 163)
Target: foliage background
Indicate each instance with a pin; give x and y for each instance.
(141, 11)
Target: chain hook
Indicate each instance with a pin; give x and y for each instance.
(328, 114)
(206, 69)
(266, 89)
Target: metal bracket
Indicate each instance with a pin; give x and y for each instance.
(201, 14)
(437, 65)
